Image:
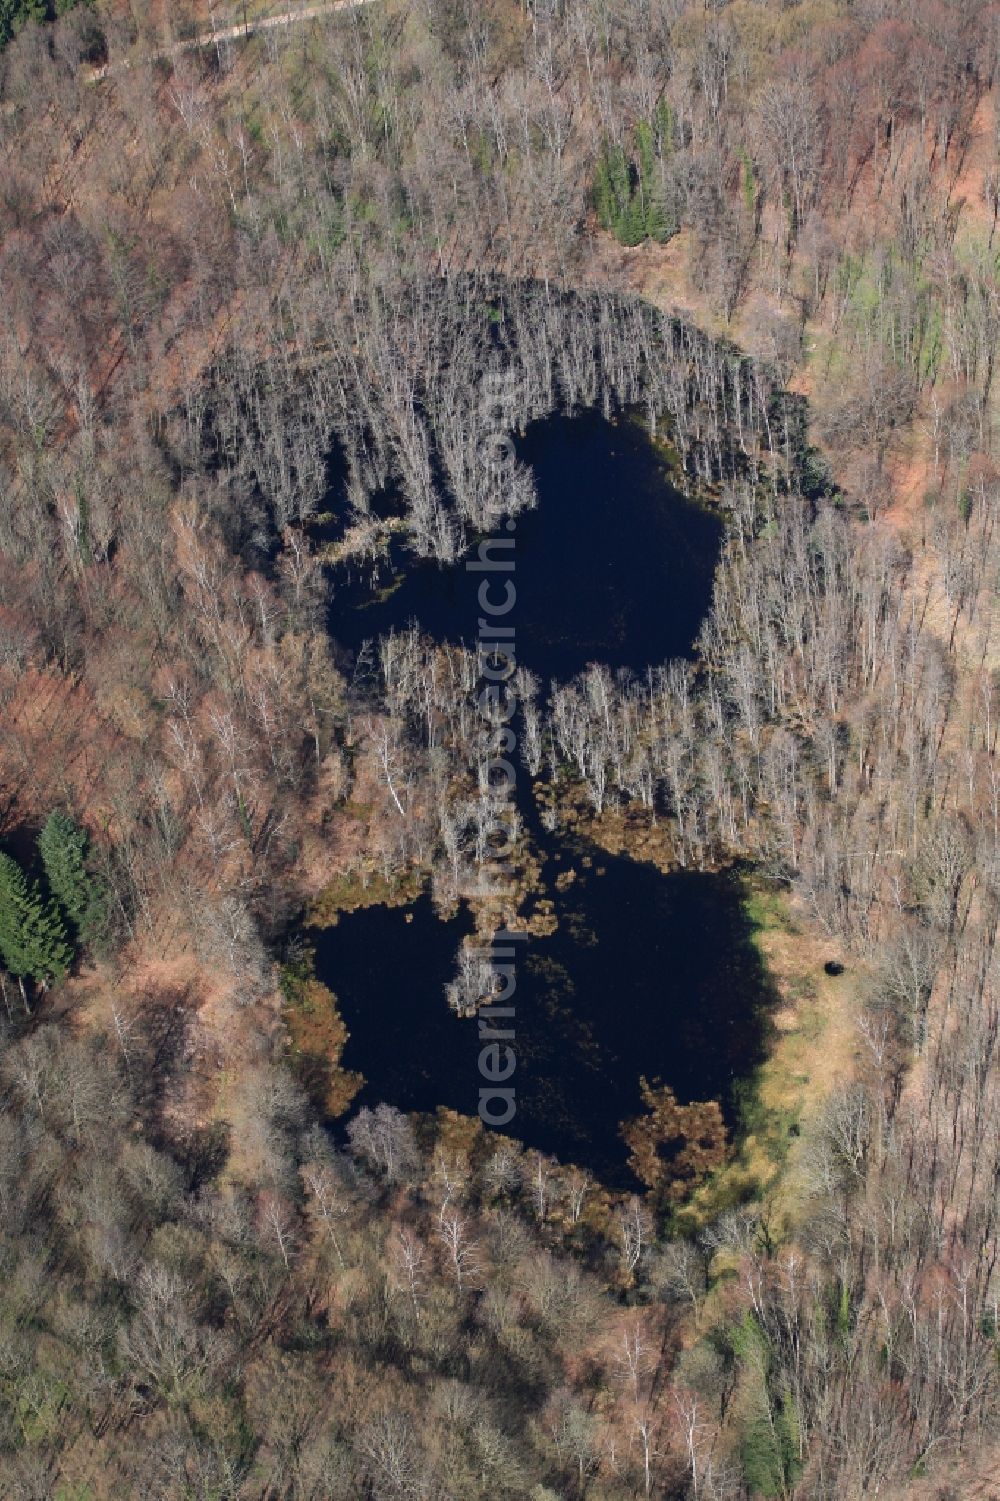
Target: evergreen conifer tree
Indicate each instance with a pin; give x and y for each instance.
(630, 195)
(62, 845)
(32, 937)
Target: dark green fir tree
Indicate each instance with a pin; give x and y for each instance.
(33, 941)
(62, 845)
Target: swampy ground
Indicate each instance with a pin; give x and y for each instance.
(646, 974)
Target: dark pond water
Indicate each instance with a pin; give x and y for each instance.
(614, 565)
(646, 974)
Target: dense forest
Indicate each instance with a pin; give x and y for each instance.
(256, 278)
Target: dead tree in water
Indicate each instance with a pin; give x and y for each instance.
(423, 385)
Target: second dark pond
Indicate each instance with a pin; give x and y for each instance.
(614, 565)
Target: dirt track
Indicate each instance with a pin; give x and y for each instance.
(233, 33)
